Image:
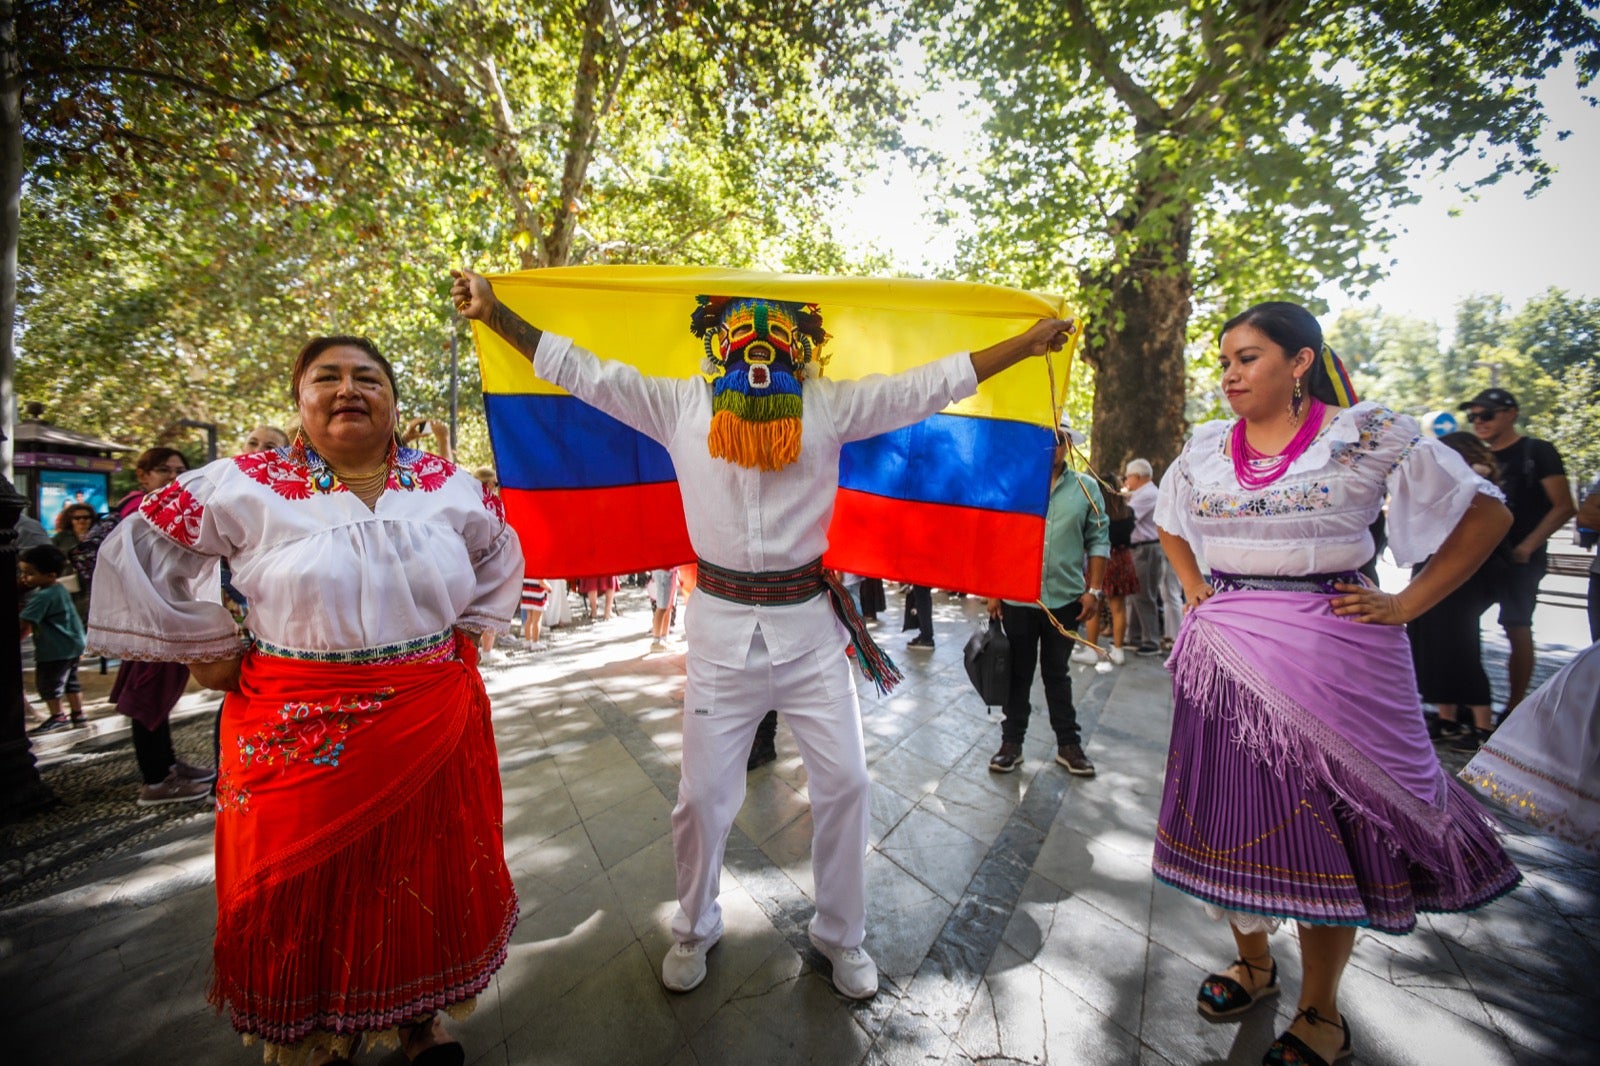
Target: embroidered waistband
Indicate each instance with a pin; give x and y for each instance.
(435, 647)
(771, 588)
(1322, 583)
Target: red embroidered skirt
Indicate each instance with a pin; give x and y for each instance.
(361, 875)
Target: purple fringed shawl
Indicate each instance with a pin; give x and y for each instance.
(1327, 708)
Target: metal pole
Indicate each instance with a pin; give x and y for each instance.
(211, 435)
(455, 387)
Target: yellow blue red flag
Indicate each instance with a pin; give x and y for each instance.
(955, 501)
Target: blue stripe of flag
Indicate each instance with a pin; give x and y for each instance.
(554, 442)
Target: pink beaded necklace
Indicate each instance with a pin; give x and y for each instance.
(1256, 470)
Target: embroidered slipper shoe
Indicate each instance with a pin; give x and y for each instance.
(1290, 1050)
(1221, 997)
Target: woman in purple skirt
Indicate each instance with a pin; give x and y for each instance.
(1300, 782)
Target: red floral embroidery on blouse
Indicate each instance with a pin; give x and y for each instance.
(174, 512)
(285, 476)
(431, 471)
(493, 504)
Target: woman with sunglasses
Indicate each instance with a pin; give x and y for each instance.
(72, 526)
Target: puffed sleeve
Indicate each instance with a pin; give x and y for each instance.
(1430, 488)
(158, 582)
(497, 565)
(650, 405)
(1174, 495)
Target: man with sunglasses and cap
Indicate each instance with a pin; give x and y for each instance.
(1535, 483)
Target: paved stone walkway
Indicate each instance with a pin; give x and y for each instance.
(1013, 916)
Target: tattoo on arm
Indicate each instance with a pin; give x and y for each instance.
(523, 337)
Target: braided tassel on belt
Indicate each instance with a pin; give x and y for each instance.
(873, 660)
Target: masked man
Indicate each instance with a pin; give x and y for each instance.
(757, 457)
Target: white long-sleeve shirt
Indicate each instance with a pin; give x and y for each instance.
(754, 520)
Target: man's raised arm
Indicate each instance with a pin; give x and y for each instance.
(475, 299)
(1047, 334)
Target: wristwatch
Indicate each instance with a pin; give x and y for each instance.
(1098, 594)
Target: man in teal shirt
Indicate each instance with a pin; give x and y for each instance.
(1075, 528)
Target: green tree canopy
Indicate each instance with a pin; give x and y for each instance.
(1156, 155)
(211, 182)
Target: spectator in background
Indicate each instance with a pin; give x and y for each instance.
(593, 587)
(1446, 646)
(663, 589)
(1075, 541)
(1121, 580)
(72, 525)
(1535, 484)
(264, 439)
(1588, 534)
(147, 690)
(872, 600)
(418, 428)
(57, 631)
(919, 616)
(1148, 562)
(491, 487)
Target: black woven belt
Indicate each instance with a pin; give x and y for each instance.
(1323, 583)
(770, 588)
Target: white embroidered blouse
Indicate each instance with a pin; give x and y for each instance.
(321, 572)
(1315, 518)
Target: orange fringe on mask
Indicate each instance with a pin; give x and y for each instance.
(769, 445)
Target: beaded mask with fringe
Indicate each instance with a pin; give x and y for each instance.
(758, 355)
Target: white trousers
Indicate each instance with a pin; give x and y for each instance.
(722, 707)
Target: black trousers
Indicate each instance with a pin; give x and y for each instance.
(153, 749)
(1594, 606)
(919, 611)
(1035, 641)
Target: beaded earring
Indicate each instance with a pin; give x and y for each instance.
(1294, 404)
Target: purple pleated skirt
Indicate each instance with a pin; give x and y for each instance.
(1300, 780)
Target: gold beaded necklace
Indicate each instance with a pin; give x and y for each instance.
(363, 485)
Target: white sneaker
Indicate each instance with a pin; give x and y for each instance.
(1084, 655)
(854, 973)
(685, 965)
(1117, 656)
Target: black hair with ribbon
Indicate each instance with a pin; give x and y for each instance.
(1292, 328)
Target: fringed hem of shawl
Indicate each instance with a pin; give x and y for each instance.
(1284, 737)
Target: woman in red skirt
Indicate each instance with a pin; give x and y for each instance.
(361, 878)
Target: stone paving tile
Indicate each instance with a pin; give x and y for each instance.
(781, 1015)
(613, 1015)
(1098, 874)
(934, 852)
(789, 849)
(904, 917)
(618, 832)
(770, 804)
